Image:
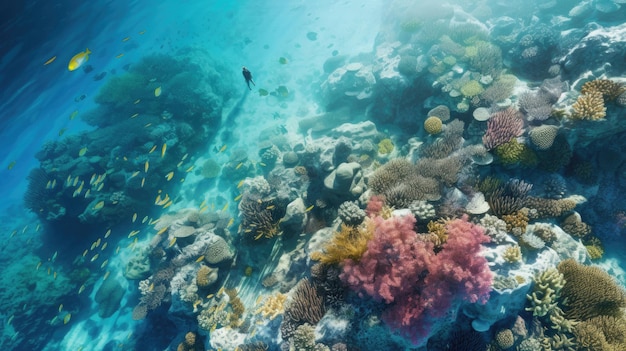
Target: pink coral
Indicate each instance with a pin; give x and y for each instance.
(502, 127)
(401, 270)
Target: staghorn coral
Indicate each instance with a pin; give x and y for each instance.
(272, 306)
(512, 254)
(446, 170)
(589, 106)
(501, 89)
(536, 105)
(609, 89)
(349, 243)
(590, 292)
(505, 198)
(544, 298)
(433, 125)
(502, 127)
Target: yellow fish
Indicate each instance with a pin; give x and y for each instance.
(62, 131)
(60, 307)
(163, 148)
(152, 150)
(134, 174)
(75, 182)
(54, 183)
(50, 60)
(238, 197)
(225, 207)
(67, 317)
(106, 275)
(262, 164)
(73, 115)
(81, 289)
(223, 148)
(143, 181)
(199, 259)
(169, 176)
(78, 60)
(95, 257)
(189, 169)
(239, 165)
(100, 187)
(146, 166)
(104, 246)
(162, 230)
(135, 115)
(145, 219)
(137, 101)
(38, 265)
(168, 204)
(142, 32)
(157, 92)
(11, 165)
(106, 235)
(87, 193)
(230, 222)
(99, 205)
(82, 151)
(125, 39)
(309, 208)
(54, 276)
(184, 157)
(85, 253)
(182, 180)
(119, 56)
(134, 217)
(133, 233)
(104, 264)
(240, 184)
(172, 242)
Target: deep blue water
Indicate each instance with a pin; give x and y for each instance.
(128, 179)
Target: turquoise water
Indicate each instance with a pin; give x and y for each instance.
(397, 175)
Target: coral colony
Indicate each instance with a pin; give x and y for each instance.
(452, 192)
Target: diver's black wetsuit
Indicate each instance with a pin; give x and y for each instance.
(247, 75)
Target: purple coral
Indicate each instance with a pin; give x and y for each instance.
(502, 127)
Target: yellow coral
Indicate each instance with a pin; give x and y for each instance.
(272, 306)
(202, 276)
(438, 228)
(471, 89)
(512, 254)
(349, 243)
(589, 106)
(609, 89)
(433, 125)
(516, 222)
(385, 146)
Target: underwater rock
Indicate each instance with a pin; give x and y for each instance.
(599, 50)
(295, 216)
(138, 267)
(352, 81)
(346, 181)
(108, 297)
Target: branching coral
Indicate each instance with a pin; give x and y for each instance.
(589, 106)
(349, 243)
(548, 208)
(609, 89)
(502, 127)
(506, 198)
(272, 306)
(544, 298)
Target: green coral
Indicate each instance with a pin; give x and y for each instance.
(546, 292)
(510, 153)
(385, 146)
(472, 88)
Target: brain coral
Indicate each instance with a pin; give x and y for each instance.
(433, 125)
(543, 136)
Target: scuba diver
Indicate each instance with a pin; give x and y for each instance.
(247, 75)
